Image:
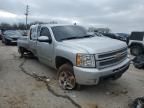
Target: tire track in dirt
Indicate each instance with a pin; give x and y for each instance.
(48, 86)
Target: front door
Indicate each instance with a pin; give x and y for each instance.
(45, 49)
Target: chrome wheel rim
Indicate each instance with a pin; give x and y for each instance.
(67, 80)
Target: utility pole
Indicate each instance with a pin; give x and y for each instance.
(26, 14)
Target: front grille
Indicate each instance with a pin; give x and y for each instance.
(112, 53)
(112, 61)
(111, 58)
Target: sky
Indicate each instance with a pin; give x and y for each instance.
(118, 15)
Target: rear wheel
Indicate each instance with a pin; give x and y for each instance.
(21, 52)
(136, 50)
(66, 77)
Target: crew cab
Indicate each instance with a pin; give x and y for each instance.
(79, 57)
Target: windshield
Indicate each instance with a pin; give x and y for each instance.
(68, 32)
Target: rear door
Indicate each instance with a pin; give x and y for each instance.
(34, 33)
(33, 40)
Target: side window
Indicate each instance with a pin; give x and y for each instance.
(45, 32)
(33, 33)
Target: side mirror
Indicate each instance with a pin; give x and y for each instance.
(43, 39)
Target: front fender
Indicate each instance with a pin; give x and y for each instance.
(68, 52)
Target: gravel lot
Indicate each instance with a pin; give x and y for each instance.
(20, 90)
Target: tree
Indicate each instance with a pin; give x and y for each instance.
(102, 30)
(21, 26)
(5, 26)
(15, 26)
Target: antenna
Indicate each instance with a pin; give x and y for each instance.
(26, 14)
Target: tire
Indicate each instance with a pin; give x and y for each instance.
(7, 42)
(136, 50)
(2, 40)
(66, 77)
(21, 52)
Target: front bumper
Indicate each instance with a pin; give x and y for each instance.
(12, 40)
(92, 76)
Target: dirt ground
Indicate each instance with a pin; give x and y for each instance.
(20, 90)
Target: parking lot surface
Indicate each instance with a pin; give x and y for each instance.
(21, 90)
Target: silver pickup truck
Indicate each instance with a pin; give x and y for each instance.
(79, 57)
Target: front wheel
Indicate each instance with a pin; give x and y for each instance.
(2, 40)
(7, 42)
(66, 77)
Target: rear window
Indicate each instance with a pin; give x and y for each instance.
(137, 36)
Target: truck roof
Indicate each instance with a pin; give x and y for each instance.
(52, 25)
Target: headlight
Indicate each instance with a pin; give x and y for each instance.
(85, 60)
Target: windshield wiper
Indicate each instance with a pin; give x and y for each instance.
(86, 36)
(70, 38)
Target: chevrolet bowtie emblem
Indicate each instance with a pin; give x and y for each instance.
(118, 55)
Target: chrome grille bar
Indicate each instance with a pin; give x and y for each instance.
(111, 58)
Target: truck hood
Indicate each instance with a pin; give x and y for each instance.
(95, 44)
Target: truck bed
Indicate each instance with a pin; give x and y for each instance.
(23, 42)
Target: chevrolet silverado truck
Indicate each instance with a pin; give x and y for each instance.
(80, 58)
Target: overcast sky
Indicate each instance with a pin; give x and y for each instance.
(119, 15)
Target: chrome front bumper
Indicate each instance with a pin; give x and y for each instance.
(92, 76)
